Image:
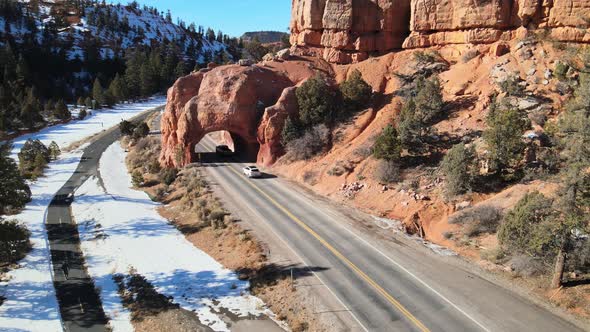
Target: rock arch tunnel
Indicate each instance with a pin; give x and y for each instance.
(250, 103)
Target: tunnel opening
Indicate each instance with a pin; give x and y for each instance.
(212, 148)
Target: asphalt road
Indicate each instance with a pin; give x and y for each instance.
(386, 284)
(79, 303)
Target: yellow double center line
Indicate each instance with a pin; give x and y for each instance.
(336, 253)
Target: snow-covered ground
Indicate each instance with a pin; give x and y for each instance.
(30, 298)
(76, 130)
(121, 230)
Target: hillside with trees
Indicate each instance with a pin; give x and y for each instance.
(79, 51)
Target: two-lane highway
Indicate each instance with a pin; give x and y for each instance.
(79, 303)
(386, 285)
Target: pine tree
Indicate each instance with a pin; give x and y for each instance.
(356, 93)
(316, 102)
(54, 150)
(459, 169)
(98, 93)
(291, 130)
(504, 138)
(387, 145)
(14, 192)
(60, 111)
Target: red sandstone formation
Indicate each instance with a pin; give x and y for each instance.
(271, 126)
(251, 103)
(346, 31)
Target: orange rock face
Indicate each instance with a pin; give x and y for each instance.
(347, 31)
(231, 98)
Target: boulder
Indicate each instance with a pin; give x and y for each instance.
(245, 62)
(284, 54)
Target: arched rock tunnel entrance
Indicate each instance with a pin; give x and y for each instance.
(243, 150)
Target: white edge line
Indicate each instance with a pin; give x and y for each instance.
(408, 272)
(307, 265)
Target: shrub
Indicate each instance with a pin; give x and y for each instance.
(291, 130)
(142, 130)
(168, 175)
(512, 87)
(82, 114)
(478, 220)
(471, 54)
(356, 93)
(388, 171)
(526, 266)
(33, 158)
(523, 230)
(459, 168)
(504, 138)
(14, 241)
(61, 111)
(126, 128)
(54, 150)
(14, 191)
(137, 178)
(561, 70)
(313, 142)
(387, 145)
(316, 102)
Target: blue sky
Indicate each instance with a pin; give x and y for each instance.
(233, 17)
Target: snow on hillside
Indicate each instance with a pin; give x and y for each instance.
(134, 236)
(76, 130)
(152, 28)
(30, 303)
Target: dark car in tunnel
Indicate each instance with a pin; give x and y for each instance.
(223, 150)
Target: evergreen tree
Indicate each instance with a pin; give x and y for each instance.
(504, 138)
(54, 150)
(387, 145)
(291, 130)
(32, 158)
(459, 169)
(60, 111)
(356, 93)
(98, 93)
(316, 102)
(14, 192)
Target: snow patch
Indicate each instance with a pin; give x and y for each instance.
(133, 235)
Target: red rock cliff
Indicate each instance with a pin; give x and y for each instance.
(345, 31)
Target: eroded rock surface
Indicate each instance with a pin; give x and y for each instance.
(346, 31)
(230, 98)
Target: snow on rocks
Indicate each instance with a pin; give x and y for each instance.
(134, 236)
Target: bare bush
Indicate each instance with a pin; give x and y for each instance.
(388, 171)
(526, 266)
(313, 142)
(469, 56)
(478, 220)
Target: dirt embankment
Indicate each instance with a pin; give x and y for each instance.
(192, 207)
(469, 75)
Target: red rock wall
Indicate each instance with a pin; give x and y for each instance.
(345, 31)
(229, 98)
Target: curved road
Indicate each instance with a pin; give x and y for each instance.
(79, 303)
(386, 284)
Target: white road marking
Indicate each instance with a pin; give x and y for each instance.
(409, 273)
(302, 260)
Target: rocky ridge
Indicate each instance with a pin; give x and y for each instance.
(347, 31)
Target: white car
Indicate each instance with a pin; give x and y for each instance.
(252, 172)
